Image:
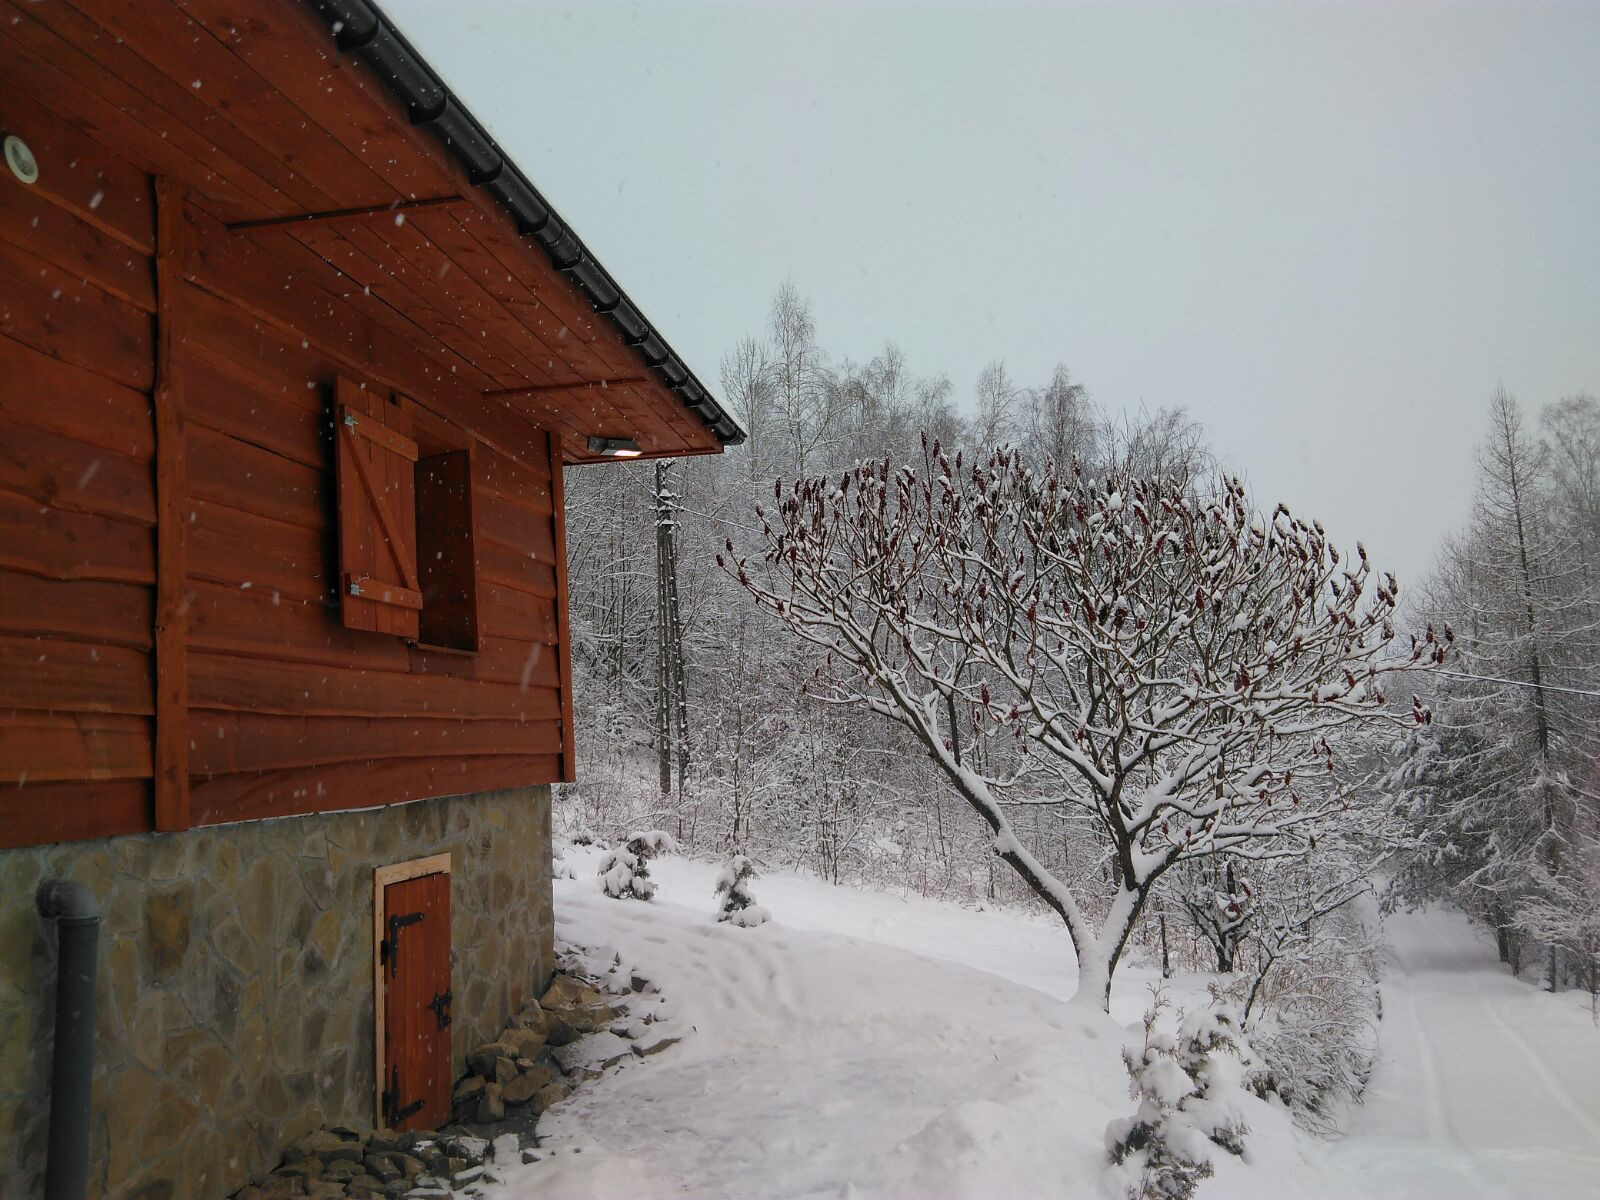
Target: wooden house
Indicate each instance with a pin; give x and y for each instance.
(291, 360)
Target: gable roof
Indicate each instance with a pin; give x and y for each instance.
(361, 30)
(350, 190)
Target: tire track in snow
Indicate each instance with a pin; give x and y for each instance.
(1541, 1070)
(1441, 1130)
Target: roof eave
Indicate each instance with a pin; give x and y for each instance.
(361, 29)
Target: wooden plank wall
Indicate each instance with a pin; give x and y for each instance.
(288, 711)
(77, 495)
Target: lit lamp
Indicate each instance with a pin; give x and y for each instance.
(612, 447)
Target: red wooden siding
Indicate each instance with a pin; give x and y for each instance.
(77, 494)
(179, 643)
(294, 707)
(287, 709)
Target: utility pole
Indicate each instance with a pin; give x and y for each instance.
(672, 697)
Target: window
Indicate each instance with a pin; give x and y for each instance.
(447, 551)
(407, 544)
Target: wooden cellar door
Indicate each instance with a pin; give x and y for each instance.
(414, 958)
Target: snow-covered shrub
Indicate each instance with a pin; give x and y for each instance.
(1311, 1010)
(560, 868)
(739, 907)
(1225, 1068)
(625, 870)
(1563, 915)
(1191, 1089)
(1317, 1042)
(1295, 951)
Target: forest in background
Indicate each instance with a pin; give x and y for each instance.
(699, 714)
(1498, 799)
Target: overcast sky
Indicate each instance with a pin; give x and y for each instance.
(1327, 230)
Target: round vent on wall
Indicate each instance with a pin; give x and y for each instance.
(20, 159)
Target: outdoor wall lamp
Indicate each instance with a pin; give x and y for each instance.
(612, 447)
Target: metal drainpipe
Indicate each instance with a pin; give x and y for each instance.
(77, 916)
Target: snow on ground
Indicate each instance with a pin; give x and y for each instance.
(1485, 1086)
(871, 1045)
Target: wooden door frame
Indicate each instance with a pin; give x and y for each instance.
(382, 877)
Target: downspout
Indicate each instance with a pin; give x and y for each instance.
(77, 916)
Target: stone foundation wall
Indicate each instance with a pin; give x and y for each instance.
(235, 1008)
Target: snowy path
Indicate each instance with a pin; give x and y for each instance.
(1485, 1087)
(869, 1045)
(836, 1063)
(861, 1045)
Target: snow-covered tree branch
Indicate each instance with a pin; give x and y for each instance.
(1163, 661)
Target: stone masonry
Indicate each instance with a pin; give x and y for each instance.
(583, 1026)
(235, 1008)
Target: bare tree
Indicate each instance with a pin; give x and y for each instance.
(803, 400)
(1166, 665)
(934, 407)
(1156, 445)
(1058, 419)
(1573, 426)
(1512, 467)
(874, 406)
(746, 384)
(997, 405)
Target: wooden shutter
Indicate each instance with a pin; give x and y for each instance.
(376, 464)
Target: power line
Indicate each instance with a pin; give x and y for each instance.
(1543, 687)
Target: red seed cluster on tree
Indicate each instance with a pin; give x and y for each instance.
(1159, 656)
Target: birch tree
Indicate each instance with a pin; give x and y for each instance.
(997, 403)
(1058, 419)
(802, 392)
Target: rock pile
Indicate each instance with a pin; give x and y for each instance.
(583, 1026)
(331, 1164)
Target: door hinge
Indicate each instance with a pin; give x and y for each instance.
(441, 1008)
(393, 1114)
(389, 948)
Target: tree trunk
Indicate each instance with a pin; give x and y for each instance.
(1097, 959)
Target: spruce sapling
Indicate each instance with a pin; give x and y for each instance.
(739, 907)
(625, 870)
(1190, 1088)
